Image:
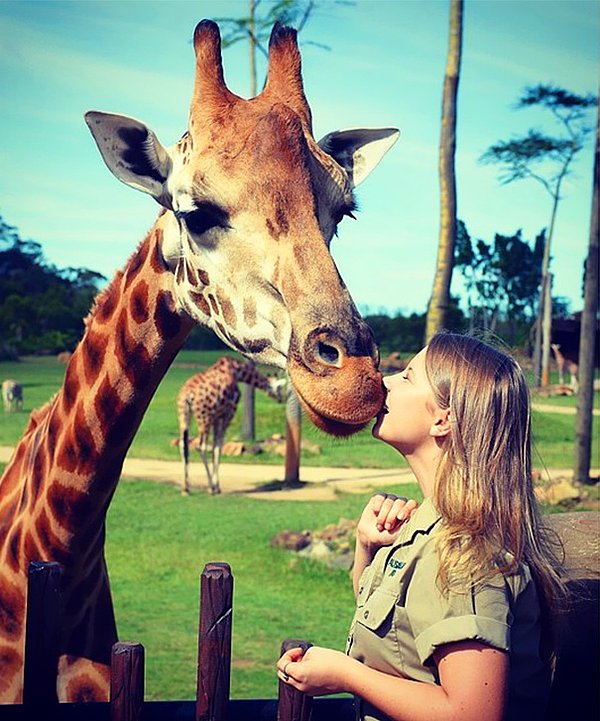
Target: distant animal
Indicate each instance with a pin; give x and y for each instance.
(392, 363)
(211, 397)
(12, 395)
(64, 356)
(561, 363)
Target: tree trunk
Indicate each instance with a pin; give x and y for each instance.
(248, 431)
(293, 418)
(546, 331)
(585, 398)
(543, 332)
(252, 46)
(440, 294)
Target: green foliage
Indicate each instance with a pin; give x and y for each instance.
(502, 279)
(406, 333)
(540, 156)
(41, 307)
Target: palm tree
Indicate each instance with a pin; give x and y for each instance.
(440, 294)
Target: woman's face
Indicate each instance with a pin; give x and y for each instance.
(410, 412)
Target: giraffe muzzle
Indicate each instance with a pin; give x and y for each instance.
(340, 392)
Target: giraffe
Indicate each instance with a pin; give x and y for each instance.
(12, 395)
(211, 397)
(562, 363)
(250, 202)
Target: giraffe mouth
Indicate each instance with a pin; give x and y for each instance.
(342, 401)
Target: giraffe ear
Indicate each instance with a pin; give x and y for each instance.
(358, 150)
(132, 153)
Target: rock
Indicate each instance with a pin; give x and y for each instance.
(233, 448)
(561, 492)
(291, 540)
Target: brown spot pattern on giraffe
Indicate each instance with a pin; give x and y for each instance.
(168, 323)
(249, 312)
(49, 540)
(70, 388)
(200, 301)
(227, 310)
(92, 353)
(106, 306)
(14, 547)
(138, 302)
(213, 304)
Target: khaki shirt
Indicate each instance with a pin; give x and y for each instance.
(401, 618)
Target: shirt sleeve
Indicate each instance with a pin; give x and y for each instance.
(482, 615)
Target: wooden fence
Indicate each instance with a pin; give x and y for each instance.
(127, 667)
(574, 693)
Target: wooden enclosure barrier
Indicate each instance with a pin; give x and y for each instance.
(574, 692)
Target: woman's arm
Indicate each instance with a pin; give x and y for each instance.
(379, 525)
(473, 682)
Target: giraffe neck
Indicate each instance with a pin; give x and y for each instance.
(246, 373)
(70, 459)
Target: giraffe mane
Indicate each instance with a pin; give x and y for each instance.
(105, 292)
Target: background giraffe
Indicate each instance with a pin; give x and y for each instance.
(211, 397)
(250, 204)
(12, 395)
(570, 365)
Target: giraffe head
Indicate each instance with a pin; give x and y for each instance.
(253, 202)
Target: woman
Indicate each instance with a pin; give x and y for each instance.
(454, 599)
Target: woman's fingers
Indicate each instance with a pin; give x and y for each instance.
(394, 510)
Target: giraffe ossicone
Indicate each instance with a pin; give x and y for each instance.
(250, 203)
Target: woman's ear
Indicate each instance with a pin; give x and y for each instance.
(441, 423)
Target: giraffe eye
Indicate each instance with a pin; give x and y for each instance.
(204, 216)
(199, 221)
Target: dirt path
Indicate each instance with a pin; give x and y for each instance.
(565, 410)
(265, 482)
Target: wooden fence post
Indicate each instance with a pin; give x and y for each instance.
(126, 681)
(293, 435)
(293, 705)
(214, 642)
(42, 636)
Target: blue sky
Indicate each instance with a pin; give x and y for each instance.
(385, 67)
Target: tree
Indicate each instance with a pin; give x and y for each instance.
(440, 294)
(585, 398)
(41, 307)
(256, 28)
(501, 278)
(547, 159)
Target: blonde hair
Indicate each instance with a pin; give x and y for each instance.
(484, 489)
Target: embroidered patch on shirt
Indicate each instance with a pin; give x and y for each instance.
(396, 566)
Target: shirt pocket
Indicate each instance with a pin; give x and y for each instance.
(377, 612)
(375, 637)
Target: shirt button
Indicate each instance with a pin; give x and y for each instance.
(366, 614)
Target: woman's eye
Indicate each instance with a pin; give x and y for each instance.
(199, 221)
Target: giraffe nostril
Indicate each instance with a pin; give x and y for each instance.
(328, 354)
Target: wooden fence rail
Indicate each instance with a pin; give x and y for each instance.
(574, 693)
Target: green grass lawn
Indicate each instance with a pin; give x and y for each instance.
(554, 434)
(159, 542)
(157, 545)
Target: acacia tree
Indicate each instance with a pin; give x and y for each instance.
(440, 295)
(547, 159)
(256, 27)
(585, 399)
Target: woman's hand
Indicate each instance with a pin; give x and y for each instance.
(382, 519)
(316, 672)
